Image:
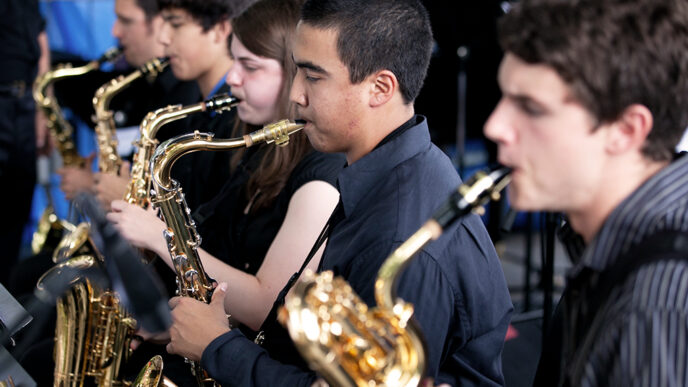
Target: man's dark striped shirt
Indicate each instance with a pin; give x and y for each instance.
(639, 336)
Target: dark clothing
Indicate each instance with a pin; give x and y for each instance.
(202, 174)
(638, 336)
(242, 238)
(131, 105)
(456, 283)
(17, 173)
(20, 25)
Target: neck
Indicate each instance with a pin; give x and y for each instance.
(383, 121)
(207, 80)
(612, 190)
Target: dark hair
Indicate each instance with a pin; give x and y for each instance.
(208, 12)
(266, 29)
(376, 35)
(149, 7)
(612, 54)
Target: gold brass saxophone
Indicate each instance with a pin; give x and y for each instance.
(151, 375)
(108, 158)
(77, 349)
(50, 228)
(138, 190)
(59, 127)
(352, 345)
(181, 235)
(92, 331)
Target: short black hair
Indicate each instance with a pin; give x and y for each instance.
(208, 12)
(378, 34)
(612, 54)
(149, 7)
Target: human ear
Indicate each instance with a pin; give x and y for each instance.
(383, 85)
(630, 131)
(222, 31)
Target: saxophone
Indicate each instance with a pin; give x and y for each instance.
(138, 190)
(87, 308)
(50, 227)
(59, 127)
(351, 345)
(92, 332)
(108, 158)
(181, 235)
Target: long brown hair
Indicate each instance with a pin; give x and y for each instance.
(267, 29)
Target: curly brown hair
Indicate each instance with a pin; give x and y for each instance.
(612, 54)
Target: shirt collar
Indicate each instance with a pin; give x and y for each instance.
(217, 86)
(359, 178)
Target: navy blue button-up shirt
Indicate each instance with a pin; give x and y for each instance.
(456, 283)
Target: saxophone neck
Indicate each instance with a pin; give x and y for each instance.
(103, 96)
(468, 197)
(63, 71)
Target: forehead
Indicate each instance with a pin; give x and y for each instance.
(318, 46)
(517, 77)
(128, 8)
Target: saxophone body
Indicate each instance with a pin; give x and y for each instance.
(108, 158)
(138, 190)
(50, 227)
(181, 235)
(59, 127)
(350, 344)
(92, 332)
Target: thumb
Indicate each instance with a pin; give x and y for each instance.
(219, 295)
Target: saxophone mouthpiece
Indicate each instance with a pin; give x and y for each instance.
(221, 103)
(277, 132)
(109, 55)
(473, 194)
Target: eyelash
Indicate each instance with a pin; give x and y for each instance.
(530, 110)
(310, 78)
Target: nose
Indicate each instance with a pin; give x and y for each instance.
(116, 30)
(164, 35)
(297, 94)
(233, 78)
(499, 126)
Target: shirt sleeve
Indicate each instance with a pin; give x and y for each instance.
(234, 360)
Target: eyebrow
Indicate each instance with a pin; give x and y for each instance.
(522, 98)
(310, 66)
(171, 17)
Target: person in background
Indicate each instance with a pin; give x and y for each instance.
(137, 29)
(23, 55)
(594, 103)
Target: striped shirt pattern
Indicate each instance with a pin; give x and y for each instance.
(639, 336)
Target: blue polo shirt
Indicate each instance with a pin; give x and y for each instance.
(456, 283)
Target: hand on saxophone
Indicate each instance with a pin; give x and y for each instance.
(155, 338)
(109, 187)
(142, 228)
(77, 179)
(195, 324)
